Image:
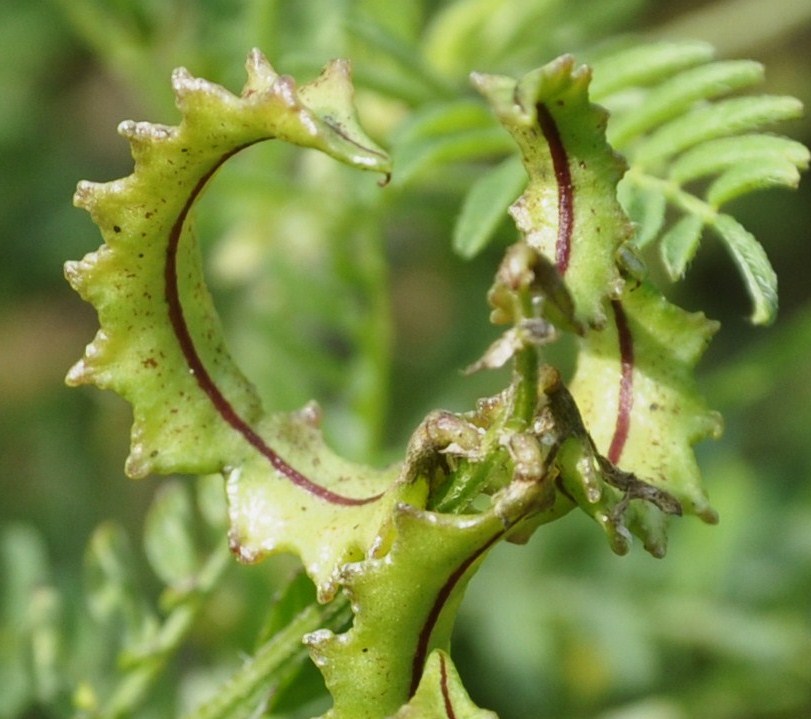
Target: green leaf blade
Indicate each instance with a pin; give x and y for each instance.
(728, 117)
(745, 178)
(169, 539)
(645, 207)
(754, 265)
(716, 156)
(466, 146)
(646, 64)
(679, 245)
(485, 206)
(448, 132)
(673, 97)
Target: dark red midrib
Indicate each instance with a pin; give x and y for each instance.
(443, 687)
(563, 177)
(421, 651)
(563, 248)
(626, 389)
(204, 380)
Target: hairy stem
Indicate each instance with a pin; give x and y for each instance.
(135, 685)
(525, 401)
(467, 483)
(283, 651)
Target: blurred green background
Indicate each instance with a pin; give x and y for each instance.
(334, 288)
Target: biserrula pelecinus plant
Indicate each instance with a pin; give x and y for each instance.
(391, 551)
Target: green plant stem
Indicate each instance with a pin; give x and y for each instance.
(277, 656)
(365, 263)
(525, 400)
(471, 478)
(135, 684)
(674, 193)
(525, 369)
(468, 482)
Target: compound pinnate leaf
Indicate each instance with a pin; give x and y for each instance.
(673, 118)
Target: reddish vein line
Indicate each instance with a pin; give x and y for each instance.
(443, 685)
(201, 374)
(421, 652)
(563, 176)
(626, 393)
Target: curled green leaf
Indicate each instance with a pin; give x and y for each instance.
(161, 345)
(569, 210)
(635, 388)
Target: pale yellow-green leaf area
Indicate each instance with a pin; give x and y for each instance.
(569, 210)
(441, 694)
(160, 344)
(636, 391)
(270, 514)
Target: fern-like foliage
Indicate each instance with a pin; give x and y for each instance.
(693, 146)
